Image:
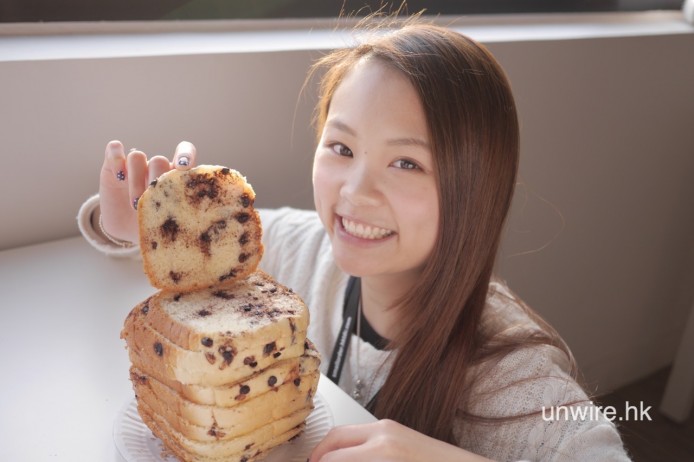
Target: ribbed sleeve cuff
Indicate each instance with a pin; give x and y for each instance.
(95, 239)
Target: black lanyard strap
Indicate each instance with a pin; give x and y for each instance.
(351, 305)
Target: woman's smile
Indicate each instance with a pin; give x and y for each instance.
(362, 230)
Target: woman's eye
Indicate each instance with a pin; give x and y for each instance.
(341, 150)
(405, 164)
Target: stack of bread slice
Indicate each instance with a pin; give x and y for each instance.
(221, 366)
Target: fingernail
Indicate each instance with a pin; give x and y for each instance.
(183, 161)
(135, 201)
(120, 176)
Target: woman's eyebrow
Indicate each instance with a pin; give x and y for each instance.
(405, 141)
(340, 125)
(409, 141)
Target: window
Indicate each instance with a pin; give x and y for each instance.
(131, 10)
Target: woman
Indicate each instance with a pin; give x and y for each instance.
(413, 177)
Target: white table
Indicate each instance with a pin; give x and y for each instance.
(64, 367)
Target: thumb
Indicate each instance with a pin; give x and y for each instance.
(184, 156)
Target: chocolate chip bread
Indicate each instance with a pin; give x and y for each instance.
(221, 366)
(214, 337)
(198, 229)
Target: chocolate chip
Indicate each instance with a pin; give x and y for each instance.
(245, 200)
(245, 389)
(210, 358)
(243, 257)
(247, 308)
(153, 183)
(169, 229)
(230, 274)
(203, 313)
(155, 244)
(159, 349)
(215, 432)
(243, 217)
(250, 361)
(243, 459)
(243, 240)
(227, 353)
(224, 294)
(225, 171)
(272, 381)
(177, 297)
(277, 355)
(297, 381)
(206, 341)
(269, 348)
(200, 186)
(175, 277)
(145, 309)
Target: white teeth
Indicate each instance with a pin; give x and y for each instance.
(365, 232)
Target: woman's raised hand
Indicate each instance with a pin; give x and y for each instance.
(124, 177)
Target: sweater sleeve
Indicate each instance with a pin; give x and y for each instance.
(561, 423)
(537, 412)
(89, 209)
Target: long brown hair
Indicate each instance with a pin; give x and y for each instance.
(474, 136)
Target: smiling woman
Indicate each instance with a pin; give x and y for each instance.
(414, 171)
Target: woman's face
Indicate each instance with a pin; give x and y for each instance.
(373, 174)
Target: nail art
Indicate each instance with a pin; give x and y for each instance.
(184, 161)
(135, 201)
(120, 175)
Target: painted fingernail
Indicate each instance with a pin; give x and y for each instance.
(184, 161)
(135, 201)
(120, 176)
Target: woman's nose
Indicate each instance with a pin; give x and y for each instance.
(360, 187)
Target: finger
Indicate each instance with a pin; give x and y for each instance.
(114, 160)
(137, 175)
(349, 454)
(339, 438)
(184, 156)
(156, 166)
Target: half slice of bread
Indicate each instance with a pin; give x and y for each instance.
(198, 228)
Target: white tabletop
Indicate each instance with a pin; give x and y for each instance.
(64, 367)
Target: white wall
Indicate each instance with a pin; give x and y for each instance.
(600, 238)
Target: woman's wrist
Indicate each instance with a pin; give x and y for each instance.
(98, 226)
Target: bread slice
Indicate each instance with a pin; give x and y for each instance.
(198, 228)
(229, 395)
(246, 448)
(220, 337)
(214, 423)
(253, 310)
(222, 365)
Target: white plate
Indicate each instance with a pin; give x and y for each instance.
(136, 443)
